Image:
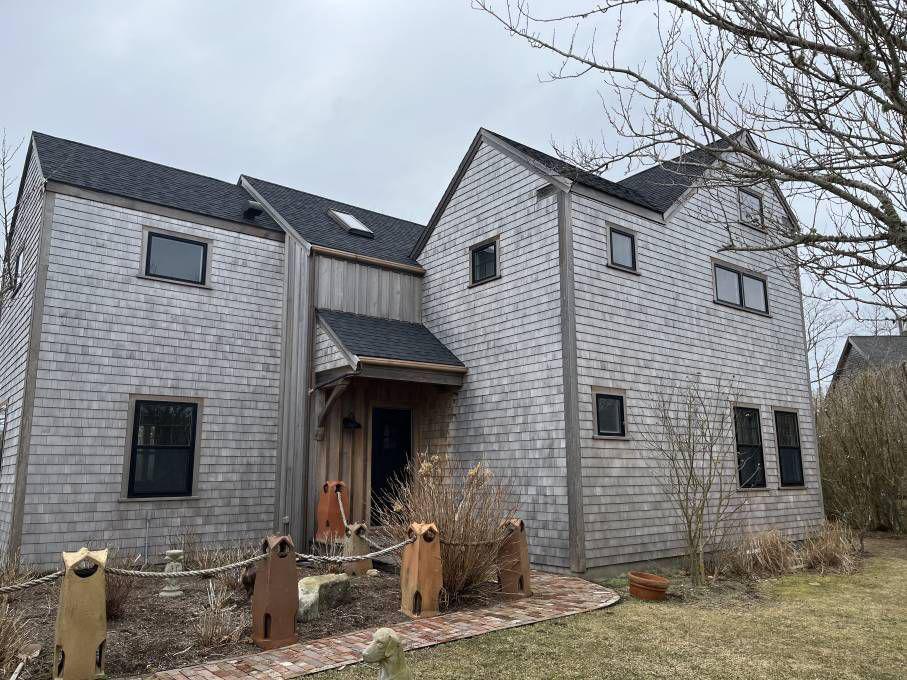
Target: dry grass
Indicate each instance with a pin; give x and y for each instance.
(14, 635)
(197, 555)
(119, 588)
(327, 549)
(799, 627)
(761, 555)
(12, 570)
(467, 505)
(217, 622)
(831, 548)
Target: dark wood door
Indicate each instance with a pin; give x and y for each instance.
(391, 446)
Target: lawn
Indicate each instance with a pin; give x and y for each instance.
(801, 626)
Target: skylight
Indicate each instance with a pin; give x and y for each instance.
(351, 224)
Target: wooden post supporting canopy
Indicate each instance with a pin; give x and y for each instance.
(81, 631)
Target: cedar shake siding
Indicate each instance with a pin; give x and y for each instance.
(510, 410)
(16, 328)
(109, 335)
(637, 333)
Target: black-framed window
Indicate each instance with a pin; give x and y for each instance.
(609, 415)
(750, 462)
(17, 271)
(751, 211)
(790, 461)
(177, 259)
(622, 249)
(483, 259)
(3, 412)
(163, 449)
(742, 290)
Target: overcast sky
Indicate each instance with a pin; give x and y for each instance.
(373, 103)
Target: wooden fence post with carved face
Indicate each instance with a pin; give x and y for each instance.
(275, 598)
(421, 574)
(81, 631)
(329, 522)
(513, 560)
(356, 544)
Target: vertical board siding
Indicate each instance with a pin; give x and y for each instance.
(348, 286)
(15, 329)
(509, 411)
(642, 333)
(107, 334)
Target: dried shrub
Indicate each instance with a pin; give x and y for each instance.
(761, 555)
(468, 505)
(217, 623)
(209, 557)
(862, 426)
(326, 549)
(831, 548)
(14, 635)
(119, 588)
(12, 570)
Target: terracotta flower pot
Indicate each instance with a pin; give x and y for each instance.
(647, 586)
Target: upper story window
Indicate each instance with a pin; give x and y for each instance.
(740, 289)
(750, 463)
(609, 415)
(17, 271)
(622, 251)
(750, 208)
(175, 258)
(483, 259)
(163, 449)
(3, 410)
(790, 462)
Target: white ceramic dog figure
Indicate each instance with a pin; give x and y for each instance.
(386, 651)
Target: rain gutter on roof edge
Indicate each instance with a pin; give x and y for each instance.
(401, 363)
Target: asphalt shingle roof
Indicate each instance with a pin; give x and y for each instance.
(370, 336)
(89, 167)
(308, 214)
(879, 350)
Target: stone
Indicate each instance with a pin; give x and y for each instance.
(318, 594)
(386, 651)
(373, 572)
(174, 564)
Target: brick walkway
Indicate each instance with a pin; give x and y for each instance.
(555, 597)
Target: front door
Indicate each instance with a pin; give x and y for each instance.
(391, 446)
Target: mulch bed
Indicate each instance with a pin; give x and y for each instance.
(156, 633)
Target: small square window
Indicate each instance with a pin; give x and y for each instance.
(484, 261)
(623, 249)
(609, 415)
(177, 259)
(750, 208)
(163, 449)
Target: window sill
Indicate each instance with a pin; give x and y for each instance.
(189, 284)
(484, 281)
(751, 489)
(793, 487)
(625, 270)
(740, 308)
(612, 437)
(155, 499)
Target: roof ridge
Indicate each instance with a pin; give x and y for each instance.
(135, 158)
(332, 200)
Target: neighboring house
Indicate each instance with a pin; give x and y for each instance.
(862, 352)
(185, 354)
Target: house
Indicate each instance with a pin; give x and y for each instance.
(862, 352)
(187, 354)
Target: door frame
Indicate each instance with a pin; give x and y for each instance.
(372, 405)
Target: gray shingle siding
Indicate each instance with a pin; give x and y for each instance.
(510, 409)
(15, 328)
(641, 333)
(108, 334)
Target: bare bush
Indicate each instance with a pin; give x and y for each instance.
(217, 623)
(209, 557)
(691, 439)
(831, 548)
(12, 570)
(762, 554)
(468, 505)
(119, 588)
(14, 635)
(326, 549)
(863, 450)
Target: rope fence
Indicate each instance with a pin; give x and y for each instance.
(34, 583)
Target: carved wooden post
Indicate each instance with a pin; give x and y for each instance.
(81, 631)
(329, 526)
(275, 598)
(356, 544)
(513, 560)
(421, 575)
